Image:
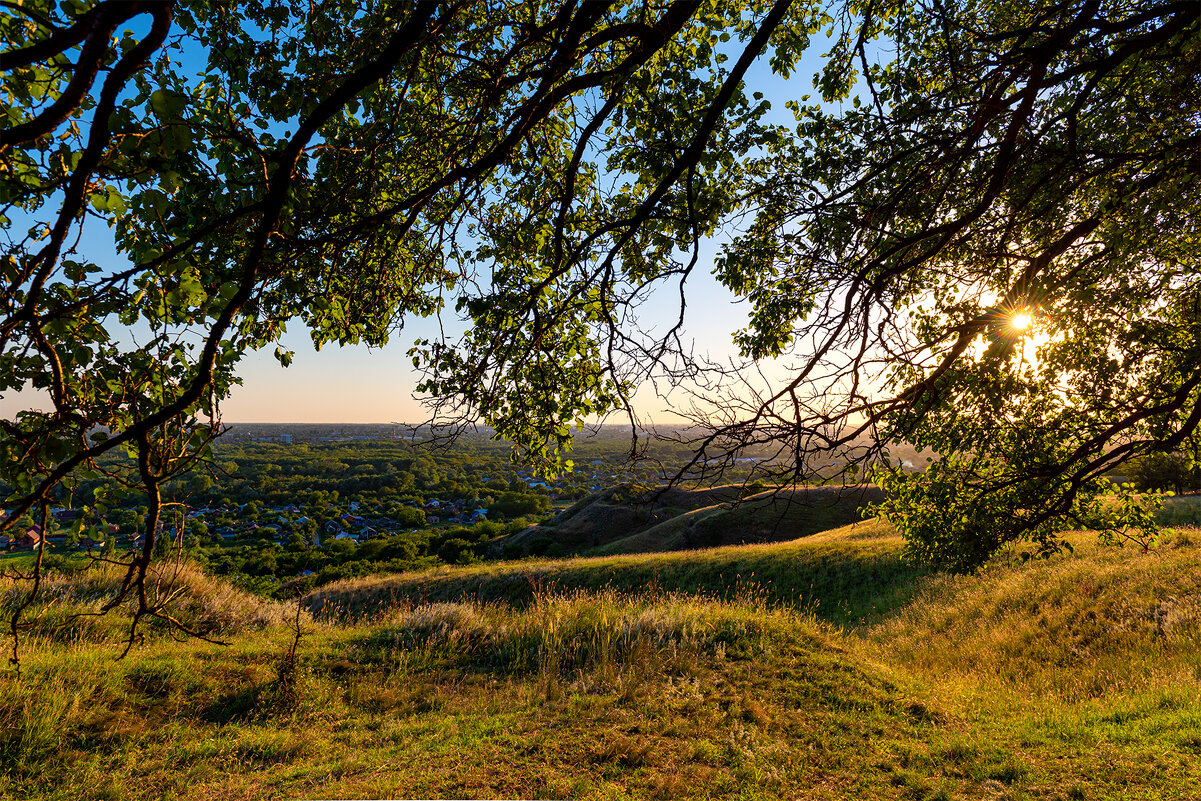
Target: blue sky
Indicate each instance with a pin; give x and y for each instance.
(357, 384)
(360, 385)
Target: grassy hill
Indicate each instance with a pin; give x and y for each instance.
(845, 576)
(820, 668)
(630, 520)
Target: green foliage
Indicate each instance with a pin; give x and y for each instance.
(258, 167)
(517, 504)
(959, 512)
(996, 231)
(1166, 471)
(539, 168)
(456, 551)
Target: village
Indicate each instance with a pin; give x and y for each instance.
(354, 521)
(83, 529)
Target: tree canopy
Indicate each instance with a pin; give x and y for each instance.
(1002, 227)
(539, 167)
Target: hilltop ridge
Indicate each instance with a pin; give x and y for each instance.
(633, 519)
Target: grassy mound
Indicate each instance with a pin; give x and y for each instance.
(772, 516)
(849, 576)
(1081, 625)
(68, 605)
(709, 674)
(631, 520)
(575, 695)
(617, 512)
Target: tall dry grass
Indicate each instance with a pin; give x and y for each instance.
(576, 630)
(1099, 621)
(68, 606)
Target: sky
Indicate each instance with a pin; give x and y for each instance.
(355, 384)
(362, 385)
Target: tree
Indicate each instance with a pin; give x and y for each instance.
(1166, 471)
(990, 253)
(346, 167)
(342, 166)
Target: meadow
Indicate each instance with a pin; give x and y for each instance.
(821, 668)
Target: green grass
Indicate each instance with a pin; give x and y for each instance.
(824, 668)
(624, 519)
(848, 577)
(1181, 510)
(769, 516)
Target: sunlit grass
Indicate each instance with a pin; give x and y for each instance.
(754, 672)
(850, 576)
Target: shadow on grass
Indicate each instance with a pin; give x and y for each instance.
(239, 706)
(844, 584)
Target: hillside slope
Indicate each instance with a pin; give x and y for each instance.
(703, 674)
(629, 520)
(847, 576)
(772, 516)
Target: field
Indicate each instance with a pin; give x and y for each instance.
(822, 668)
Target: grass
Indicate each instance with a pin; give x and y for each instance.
(1082, 626)
(824, 668)
(629, 520)
(1181, 510)
(67, 607)
(848, 577)
(769, 516)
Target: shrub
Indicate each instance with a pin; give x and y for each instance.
(1166, 471)
(544, 546)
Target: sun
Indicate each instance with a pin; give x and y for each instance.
(1020, 321)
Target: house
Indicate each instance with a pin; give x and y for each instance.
(33, 540)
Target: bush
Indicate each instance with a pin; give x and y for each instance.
(1166, 471)
(544, 546)
(457, 551)
(514, 504)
